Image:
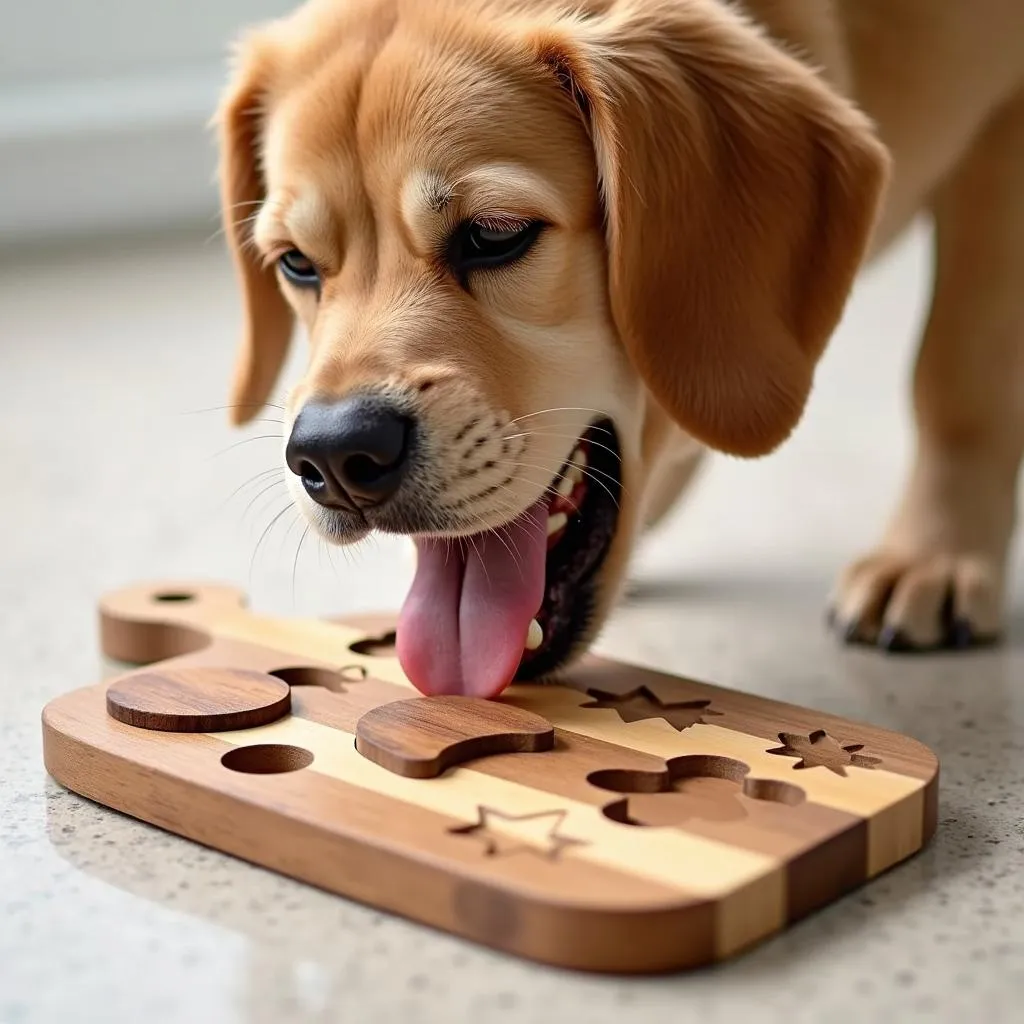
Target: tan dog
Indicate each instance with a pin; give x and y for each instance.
(546, 252)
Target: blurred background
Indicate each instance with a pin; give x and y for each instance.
(119, 315)
(103, 107)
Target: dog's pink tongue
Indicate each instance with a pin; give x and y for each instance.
(463, 626)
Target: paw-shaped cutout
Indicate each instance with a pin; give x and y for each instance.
(382, 646)
(704, 786)
(329, 679)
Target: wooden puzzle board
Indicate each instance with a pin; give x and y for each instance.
(638, 822)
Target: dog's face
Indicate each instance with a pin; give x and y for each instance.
(529, 248)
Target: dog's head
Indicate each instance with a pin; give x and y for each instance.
(531, 243)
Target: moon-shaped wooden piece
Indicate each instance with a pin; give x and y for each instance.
(422, 737)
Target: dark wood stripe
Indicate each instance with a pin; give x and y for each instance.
(388, 853)
(823, 873)
(758, 716)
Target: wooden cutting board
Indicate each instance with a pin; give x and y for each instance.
(622, 820)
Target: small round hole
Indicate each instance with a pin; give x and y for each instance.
(267, 759)
(175, 595)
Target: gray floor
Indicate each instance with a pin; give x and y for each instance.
(112, 476)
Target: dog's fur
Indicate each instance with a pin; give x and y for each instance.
(715, 175)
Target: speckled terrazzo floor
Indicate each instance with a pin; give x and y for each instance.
(110, 475)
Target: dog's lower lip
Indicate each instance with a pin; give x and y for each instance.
(583, 542)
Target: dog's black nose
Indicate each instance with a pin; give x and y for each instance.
(354, 451)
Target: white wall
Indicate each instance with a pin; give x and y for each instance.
(103, 111)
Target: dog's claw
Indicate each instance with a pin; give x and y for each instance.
(851, 632)
(930, 603)
(961, 635)
(894, 641)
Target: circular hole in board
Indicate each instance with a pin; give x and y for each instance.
(267, 759)
(174, 596)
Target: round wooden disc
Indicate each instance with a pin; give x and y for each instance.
(199, 700)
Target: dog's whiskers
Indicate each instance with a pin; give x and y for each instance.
(247, 203)
(252, 480)
(587, 471)
(564, 437)
(239, 405)
(563, 408)
(263, 536)
(298, 551)
(256, 497)
(247, 440)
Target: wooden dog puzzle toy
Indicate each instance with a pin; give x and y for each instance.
(618, 819)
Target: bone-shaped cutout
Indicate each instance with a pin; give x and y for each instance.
(422, 737)
(696, 785)
(334, 680)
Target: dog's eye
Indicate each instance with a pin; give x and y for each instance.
(299, 269)
(479, 244)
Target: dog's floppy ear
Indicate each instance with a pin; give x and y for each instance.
(267, 318)
(740, 194)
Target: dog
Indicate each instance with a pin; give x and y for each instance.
(550, 253)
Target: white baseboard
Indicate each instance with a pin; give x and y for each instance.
(128, 153)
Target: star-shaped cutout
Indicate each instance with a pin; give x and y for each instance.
(642, 703)
(819, 750)
(505, 834)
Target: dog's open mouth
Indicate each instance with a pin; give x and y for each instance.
(513, 603)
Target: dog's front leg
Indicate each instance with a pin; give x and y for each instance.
(938, 577)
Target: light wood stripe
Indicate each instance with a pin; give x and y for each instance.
(308, 640)
(391, 854)
(895, 833)
(220, 611)
(695, 865)
(887, 799)
(756, 911)
(863, 792)
(893, 804)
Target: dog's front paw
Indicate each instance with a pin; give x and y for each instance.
(927, 601)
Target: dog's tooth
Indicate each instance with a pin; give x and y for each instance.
(534, 636)
(556, 522)
(567, 483)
